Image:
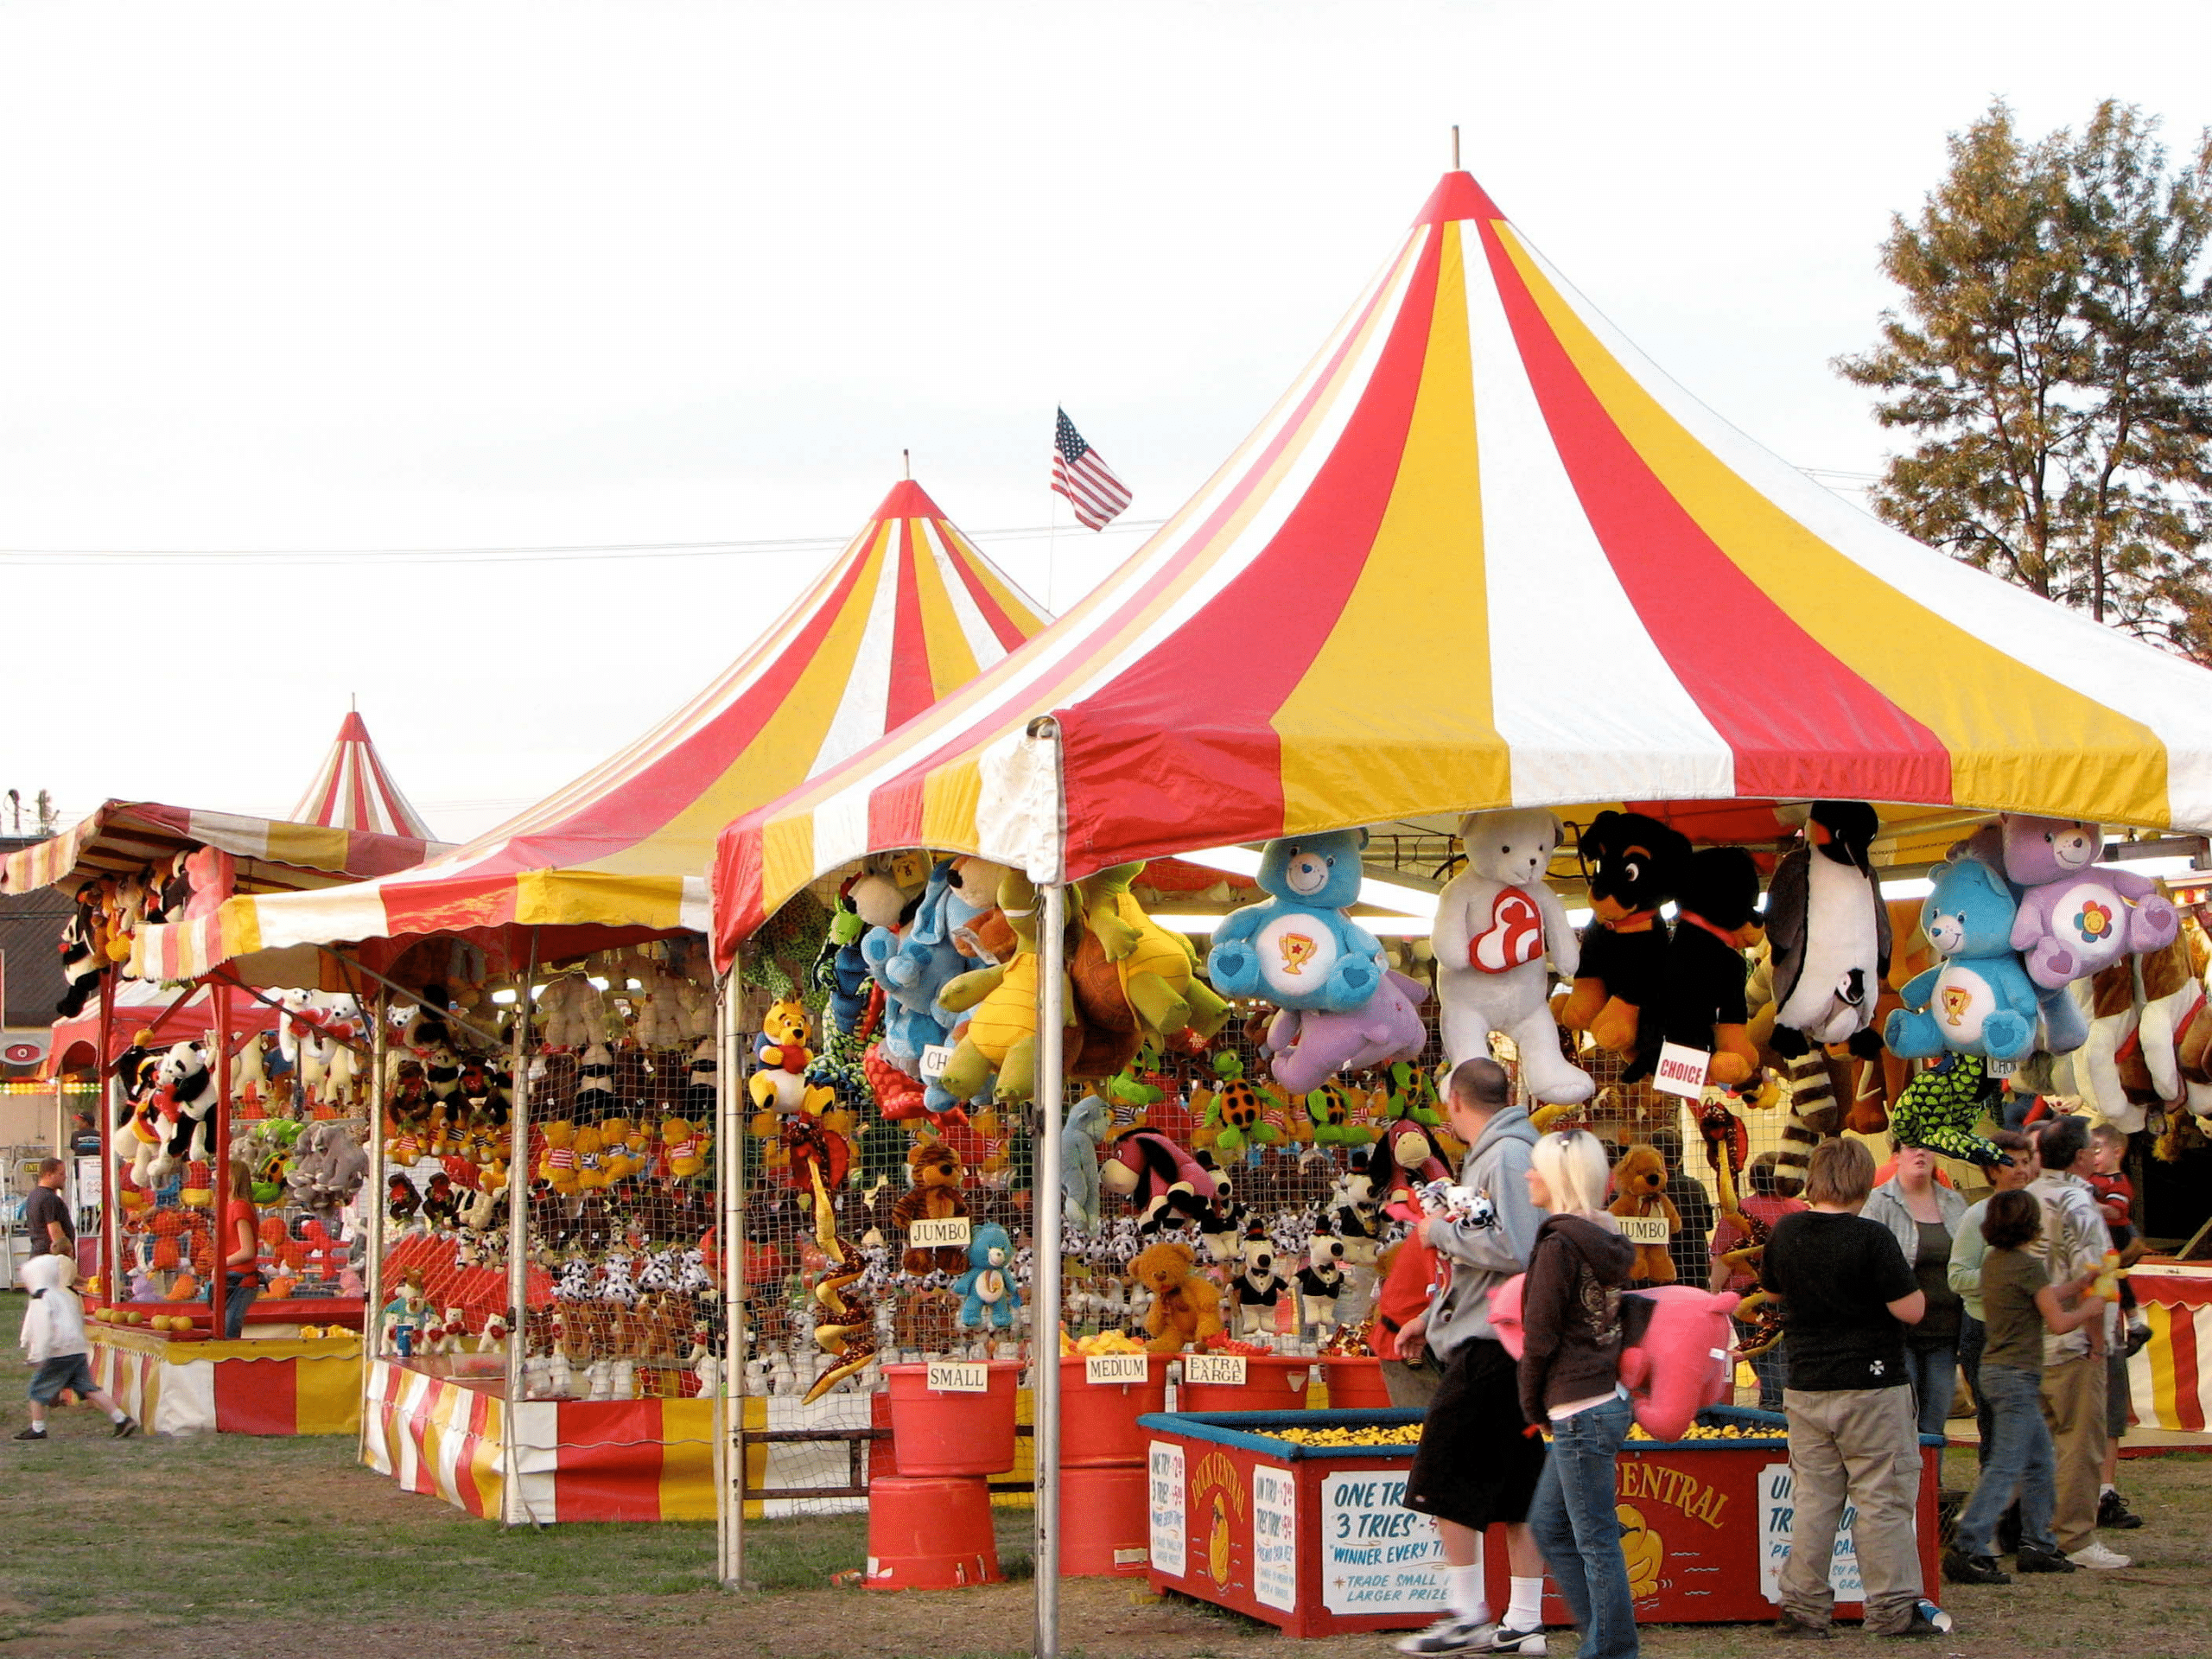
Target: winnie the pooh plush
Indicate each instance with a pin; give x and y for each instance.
(1186, 1308)
(1640, 1186)
(1500, 933)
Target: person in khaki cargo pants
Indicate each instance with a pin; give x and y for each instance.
(1847, 1293)
(2074, 1243)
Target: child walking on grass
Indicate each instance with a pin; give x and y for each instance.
(2019, 1303)
(53, 1332)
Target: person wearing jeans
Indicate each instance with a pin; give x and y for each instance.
(1969, 1247)
(2022, 1304)
(1921, 1215)
(1569, 1376)
(242, 1236)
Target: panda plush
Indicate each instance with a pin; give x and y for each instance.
(1320, 1282)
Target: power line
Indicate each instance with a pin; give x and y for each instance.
(555, 554)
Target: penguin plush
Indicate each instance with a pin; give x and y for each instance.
(1828, 930)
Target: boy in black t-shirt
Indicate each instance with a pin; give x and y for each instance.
(1847, 1293)
(46, 1217)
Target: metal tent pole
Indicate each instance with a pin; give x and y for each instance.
(373, 1214)
(730, 1267)
(511, 1506)
(1044, 1322)
(111, 1269)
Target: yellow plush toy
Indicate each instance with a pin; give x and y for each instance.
(557, 1165)
(1159, 969)
(681, 1141)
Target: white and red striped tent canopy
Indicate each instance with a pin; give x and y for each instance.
(1484, 554)
(354, 790)
(909, 611)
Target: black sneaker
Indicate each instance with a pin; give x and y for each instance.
(1962, 1568)
(125, 1429)
(2042, 1560)
(2113, 1513)
(1792, 1628)
(1450, 1633)
(30, 1433)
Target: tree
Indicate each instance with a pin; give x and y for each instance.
(2053, 356)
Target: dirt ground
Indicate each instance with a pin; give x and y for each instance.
(226, 1546)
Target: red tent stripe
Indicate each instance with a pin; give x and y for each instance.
(1726, 641)
(622, 817)
(911, 689)
(895, 806)
(1212, 706)
(1004, 627)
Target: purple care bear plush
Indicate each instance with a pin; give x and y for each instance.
(1306, 1047)
(2077, 916)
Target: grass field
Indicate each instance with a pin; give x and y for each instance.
(225, 1545)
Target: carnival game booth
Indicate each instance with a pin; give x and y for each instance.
(212, 1075)
(551, 1062)
(1482, 557)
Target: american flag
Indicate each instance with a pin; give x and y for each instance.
(1080, 473)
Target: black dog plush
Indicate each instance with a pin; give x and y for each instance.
(1634, 865)
(1717, 920)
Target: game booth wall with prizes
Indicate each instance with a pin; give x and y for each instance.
(1439, 633)
(194, 1079)
(550, 1167)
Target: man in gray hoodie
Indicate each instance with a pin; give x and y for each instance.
(1475, 1466)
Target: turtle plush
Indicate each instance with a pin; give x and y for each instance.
(1158, 969)
(1941, 1106)
(1001, 1037)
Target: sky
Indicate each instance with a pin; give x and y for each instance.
(300, 297)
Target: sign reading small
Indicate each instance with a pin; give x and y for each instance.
(959, 1377)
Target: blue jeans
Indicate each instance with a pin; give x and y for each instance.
(1576, 1524)
(2020, 1460)
(1973, 1335)
(1934, 1374)
(238, 1296)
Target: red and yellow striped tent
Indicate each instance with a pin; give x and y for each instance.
(910, 610)
(354, 790)
(1484, 554)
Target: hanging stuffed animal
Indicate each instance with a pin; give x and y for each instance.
(1165, 1184)
(1941, 1106)
(1084, 1127)
(1306, 1047)
(779, 1089)
(1297, 948)
(1828, 930)
(1320, 1284)
(1403, 1161)
(1257, 1290)
(1979, 999)
(934, 1196)
(1235, 1111)
(1640, 1189)
(1634, 865)
(2077, 916)
(1000, 1039)
(1158, 969)
(989, 1296)
(1703, 1006)
(1500, 934)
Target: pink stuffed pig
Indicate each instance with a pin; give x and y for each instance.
(1681, 1363)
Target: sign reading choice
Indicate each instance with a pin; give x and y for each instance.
(1681, 1071)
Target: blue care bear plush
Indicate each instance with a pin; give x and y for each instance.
(990, 1298)
(1298, 949)
(1979, 999)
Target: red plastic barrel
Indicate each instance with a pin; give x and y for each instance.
(929, 1533)
(1355, 1383)
(1098, 1420)
(952, 1431)
(1104, 1523)
(1272, 1382)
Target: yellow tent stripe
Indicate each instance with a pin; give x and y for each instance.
(782, 753)
(951, 660)
(1426, 561)
(2018, 738)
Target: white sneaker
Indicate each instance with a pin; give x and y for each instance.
(1529, 1642)
(1450, 1633)
(2096, 1555)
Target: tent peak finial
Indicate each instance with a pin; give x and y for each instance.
(1457, 196)
(1455, 147)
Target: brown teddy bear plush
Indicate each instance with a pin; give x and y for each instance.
(934, 1196)
(1186, 1308)
(1640, 1186)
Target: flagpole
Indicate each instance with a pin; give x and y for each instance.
(1052, 536)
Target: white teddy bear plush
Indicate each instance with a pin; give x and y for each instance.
(1498, 929)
